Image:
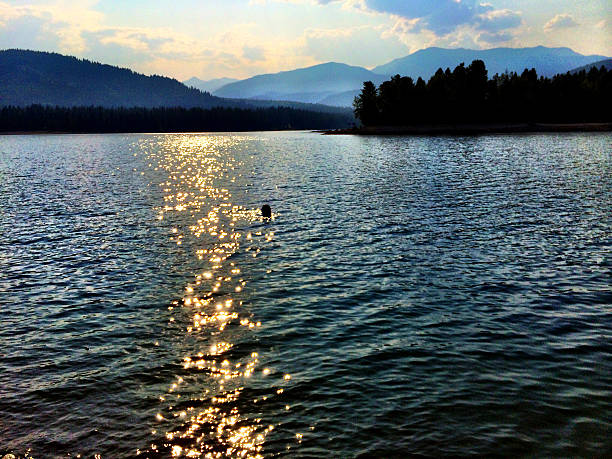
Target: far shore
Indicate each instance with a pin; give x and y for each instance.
(33, 132)
(142, 132)
(472, 129)
(418, 130)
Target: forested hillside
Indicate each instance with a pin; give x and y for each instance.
(32, 77)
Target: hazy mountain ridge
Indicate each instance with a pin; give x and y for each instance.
(341, 99)
(310, 84)
(32, 77)
(606, 63)
(547, 61)
(35, 77)
(208, 85)
(337, 84)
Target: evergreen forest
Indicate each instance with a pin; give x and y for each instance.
(466, 95)
(44, 118)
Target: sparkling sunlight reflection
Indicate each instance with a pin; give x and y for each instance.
(211, 424)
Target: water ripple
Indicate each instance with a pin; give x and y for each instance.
(412, 296)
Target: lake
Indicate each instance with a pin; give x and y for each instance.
(433, 296)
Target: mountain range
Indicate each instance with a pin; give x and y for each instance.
(33, 77)
(606, 63)
(208, 85)
(313, 84)
(547, 61)
(337, 84)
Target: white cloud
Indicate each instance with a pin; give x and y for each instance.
(448, 23)
(560, 21)
(441, 17)
(29, 32)
(50, 26)
(374, 46)
(494, 38)
(55, 24)
(494, 21)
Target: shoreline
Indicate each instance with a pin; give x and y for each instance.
(473, 129)
(35, 132)
(418, 130)
(145, 132)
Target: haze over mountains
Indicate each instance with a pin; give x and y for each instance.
(312, 84)
(208, 85)
(338, 84)
(606, 63)
(547, 61)
(32, 77)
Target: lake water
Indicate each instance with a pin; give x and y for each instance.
(426, 296)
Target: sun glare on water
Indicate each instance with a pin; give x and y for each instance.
(210, 421)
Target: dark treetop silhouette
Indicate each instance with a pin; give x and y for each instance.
(467, 95)
(99, 119)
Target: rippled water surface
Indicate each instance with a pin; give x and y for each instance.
(430, 296)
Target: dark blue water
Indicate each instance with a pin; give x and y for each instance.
(411, 296)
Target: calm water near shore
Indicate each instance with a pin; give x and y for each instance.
(433, 296)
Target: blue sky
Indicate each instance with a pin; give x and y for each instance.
(241, 38)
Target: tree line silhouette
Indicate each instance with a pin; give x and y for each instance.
(99, 119)
(467, 95)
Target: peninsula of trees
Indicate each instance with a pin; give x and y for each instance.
(467, 96)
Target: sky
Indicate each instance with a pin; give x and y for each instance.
(241, 38)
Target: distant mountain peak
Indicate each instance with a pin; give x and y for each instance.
(51, 78)
(332, 64)
(308, 84)
(546, 61)
(208, 85)
(38, 77)
(606, 63)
